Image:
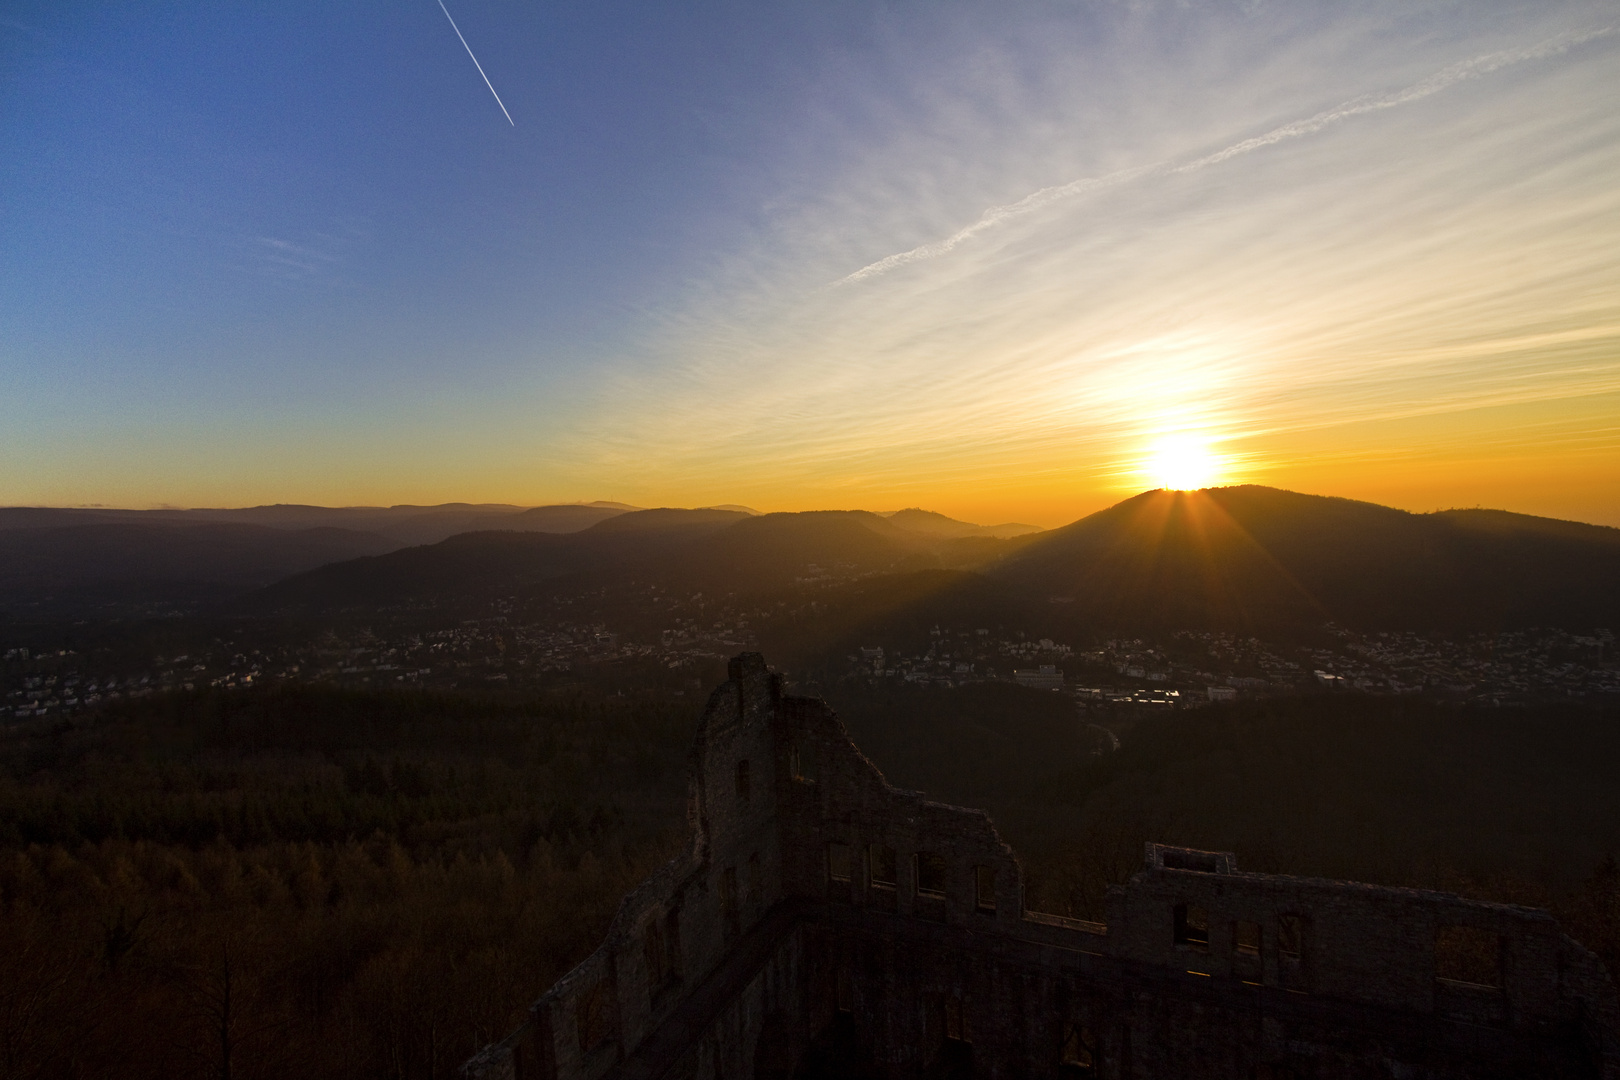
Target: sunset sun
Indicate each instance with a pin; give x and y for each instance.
(1182, 463)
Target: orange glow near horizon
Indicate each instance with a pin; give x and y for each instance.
(1358, 257)
(1183, 463)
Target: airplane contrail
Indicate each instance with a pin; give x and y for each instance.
(1456, 73)
(476, 64)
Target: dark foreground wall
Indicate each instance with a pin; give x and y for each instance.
(824, 924)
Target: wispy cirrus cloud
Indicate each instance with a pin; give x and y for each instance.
(1434, 84)
(321, 255)
(1454, 253)
(294, 260)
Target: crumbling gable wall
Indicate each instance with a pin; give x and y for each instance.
(818, 911)
(894, 850)
(1409, 949)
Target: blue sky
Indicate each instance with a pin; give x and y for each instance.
(303, 202)
(983, 257)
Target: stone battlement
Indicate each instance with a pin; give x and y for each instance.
(821, 922)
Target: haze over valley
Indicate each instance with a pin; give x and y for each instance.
(536, 592)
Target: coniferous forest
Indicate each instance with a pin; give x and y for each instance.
(321, 882)
(314, 882)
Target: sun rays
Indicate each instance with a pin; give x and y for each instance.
(1183, 462)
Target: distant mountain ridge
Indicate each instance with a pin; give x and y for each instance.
(112, 567)
(70, 561)
(65, 561)
(699, 549)
(1259, 558)
(403, 524)
(1249, 559)
(1246, 558)
(935, 524)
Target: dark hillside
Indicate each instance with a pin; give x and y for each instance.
(401, 524)
(894, 610)
(64, 570)
(1371, 788)
(684, 548)
(667, 521)
(978, 743)
(770, 552)
(1161, 559)
(471, 564)
(1250, 559)
(1509, 804)
(776, 549)
(929, 523)
(560, 519)
(45, 517)
(1258, 559)
(483, 564)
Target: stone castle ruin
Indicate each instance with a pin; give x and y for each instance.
(822, 923)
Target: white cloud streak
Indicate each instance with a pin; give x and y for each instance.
(1444, 278)
(1441, 80)
(1434, 84)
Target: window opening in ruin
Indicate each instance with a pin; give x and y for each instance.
(880, 860)
(838, 862)
(931, 871)
(1246, 938)
(742, 780)
(1468, 954)
(956, 1027)
(1192, 926)
(595, 1016)
(1077, 1056)
(845, 991)
(1206, 862)
(755, 885)
(984, 888)
(657, 957)
(728, 897)
(802, 764)
(1290, 936)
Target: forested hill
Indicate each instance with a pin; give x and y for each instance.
(114, 566)
(1259, 559)
(1247, 559)
(1250, 559)
(76, 563)
(716, 549)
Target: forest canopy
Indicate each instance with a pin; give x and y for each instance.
(324, 882)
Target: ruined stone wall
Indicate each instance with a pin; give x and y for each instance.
(825, 923)
(685, 920)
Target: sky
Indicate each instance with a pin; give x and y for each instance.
(1012, 261)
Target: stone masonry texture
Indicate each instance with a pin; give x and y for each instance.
(821, 923)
